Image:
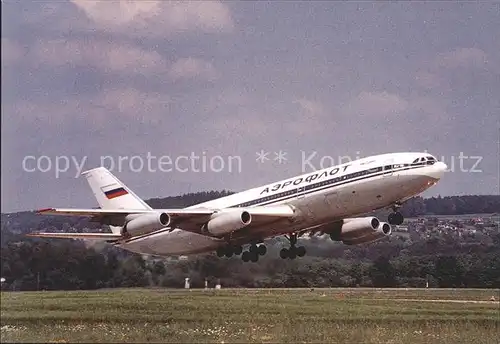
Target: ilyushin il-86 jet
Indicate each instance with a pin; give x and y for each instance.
(331, 201)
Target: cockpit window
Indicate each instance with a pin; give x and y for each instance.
(429, 160)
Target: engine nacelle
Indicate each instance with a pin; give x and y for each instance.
(227, 221)
(383, 230)
(354, 228)
(144, 224)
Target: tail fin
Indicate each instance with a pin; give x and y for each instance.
(110, 192)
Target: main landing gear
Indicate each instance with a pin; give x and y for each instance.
(293, 251)
(252, 254)
(229, 251)
(395, 218)
(255, 250)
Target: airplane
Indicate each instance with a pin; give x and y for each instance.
(322, 202)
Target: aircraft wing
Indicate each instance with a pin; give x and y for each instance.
(188, 219)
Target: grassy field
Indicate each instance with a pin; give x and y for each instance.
(256, 315)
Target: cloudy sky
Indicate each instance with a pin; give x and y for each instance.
(84, 79)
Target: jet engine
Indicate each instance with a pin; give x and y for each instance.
(146, 223)
(352, 228)
(226, 222)
(383, 230)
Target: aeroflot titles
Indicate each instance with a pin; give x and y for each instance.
(307, 179)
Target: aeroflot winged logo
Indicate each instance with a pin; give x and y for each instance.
(307, 179)
(115, 193)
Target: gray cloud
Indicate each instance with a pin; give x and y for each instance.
(106, 56)
(89, 79)
(12, 52)
(146, 18)
(462, 57)
(376, 104)
(188, 68)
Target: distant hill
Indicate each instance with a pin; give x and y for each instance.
(452, 205)
(186, 200)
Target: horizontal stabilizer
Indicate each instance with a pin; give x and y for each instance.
(90, 212)
(92, 236)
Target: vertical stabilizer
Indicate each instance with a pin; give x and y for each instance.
(110, 192)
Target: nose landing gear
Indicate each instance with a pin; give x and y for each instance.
(395, 218)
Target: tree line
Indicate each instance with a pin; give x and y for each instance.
(68, 265)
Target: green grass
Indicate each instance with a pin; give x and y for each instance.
(252, 315)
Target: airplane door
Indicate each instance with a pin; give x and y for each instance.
(388, 167)
(304, 205)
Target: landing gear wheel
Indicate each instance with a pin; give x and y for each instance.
(237, 250)
(399, 218)
(284, 253)
(395, 218)
(254, 257)
(245, 256)
(293, 251)
(229, 252)
(262, 250)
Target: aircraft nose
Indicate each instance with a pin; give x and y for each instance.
(439, 170)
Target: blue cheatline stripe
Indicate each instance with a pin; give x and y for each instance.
(326, 184)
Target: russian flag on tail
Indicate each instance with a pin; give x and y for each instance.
(115, 193)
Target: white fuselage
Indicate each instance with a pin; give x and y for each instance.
(320, 197)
